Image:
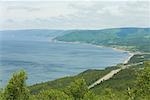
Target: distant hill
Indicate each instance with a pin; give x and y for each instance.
(133, 39)
(30, 34)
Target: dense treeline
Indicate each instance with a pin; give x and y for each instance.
(134, 39)
(17, 89)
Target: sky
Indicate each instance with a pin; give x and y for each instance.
(73, 14)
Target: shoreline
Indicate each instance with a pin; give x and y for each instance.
(128, 59)
(124, 61)
(131, 54)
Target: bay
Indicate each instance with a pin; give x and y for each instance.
(48, 60)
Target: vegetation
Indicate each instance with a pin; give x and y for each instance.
(16, 88)
(51, 95)
(1, 95)
(123, 38)
(89, 76)
(142, 85)
(121, 84)
(139, 58)
(132, 83)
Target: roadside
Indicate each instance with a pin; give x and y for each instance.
(111, 74)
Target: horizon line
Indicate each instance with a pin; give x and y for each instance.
(68, 28)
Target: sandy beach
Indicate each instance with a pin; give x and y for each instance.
(130, 56)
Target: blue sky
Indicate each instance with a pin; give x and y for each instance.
(73, 14)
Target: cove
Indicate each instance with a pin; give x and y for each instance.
(46, 61)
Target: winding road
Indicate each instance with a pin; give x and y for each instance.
(111, 74)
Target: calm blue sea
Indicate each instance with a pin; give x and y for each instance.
(45, 60)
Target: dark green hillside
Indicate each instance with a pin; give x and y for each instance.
(118, 84)
(131, 83)
(134, 39)
(139, 58)
(90, 76)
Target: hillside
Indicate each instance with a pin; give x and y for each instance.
(118, 84)
(133, 39)
(131, 83)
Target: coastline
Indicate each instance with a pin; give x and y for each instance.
(131, 54)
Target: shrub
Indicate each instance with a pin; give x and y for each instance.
(16, 88)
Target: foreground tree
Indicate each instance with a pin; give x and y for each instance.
(16, 88)
(77, 89)
(1, 95)
(141, 90)
(51, 95)
(143, 82)
(90, 96)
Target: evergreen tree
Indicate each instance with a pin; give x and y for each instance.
(90, 96)
(142, 87)
(51, 95)
(1, 95)
(141, 90)
(77, 89)
(16, 88)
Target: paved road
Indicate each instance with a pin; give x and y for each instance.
(111, 74)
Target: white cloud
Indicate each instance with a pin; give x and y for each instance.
(74, 14)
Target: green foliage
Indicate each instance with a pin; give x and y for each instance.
(142, 87)
(77, 89)
(1, 95)
(51, 95)
(130, 94)
(118, 83)
(89, 76)
(90, 96)
(109, 94)
(139, 58)
(16, 88)
(115, 88)
(127, 38)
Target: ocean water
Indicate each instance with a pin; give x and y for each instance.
(48, 60)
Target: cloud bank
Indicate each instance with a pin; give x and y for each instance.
(74, 14)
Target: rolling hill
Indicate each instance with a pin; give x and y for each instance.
(133, 39)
